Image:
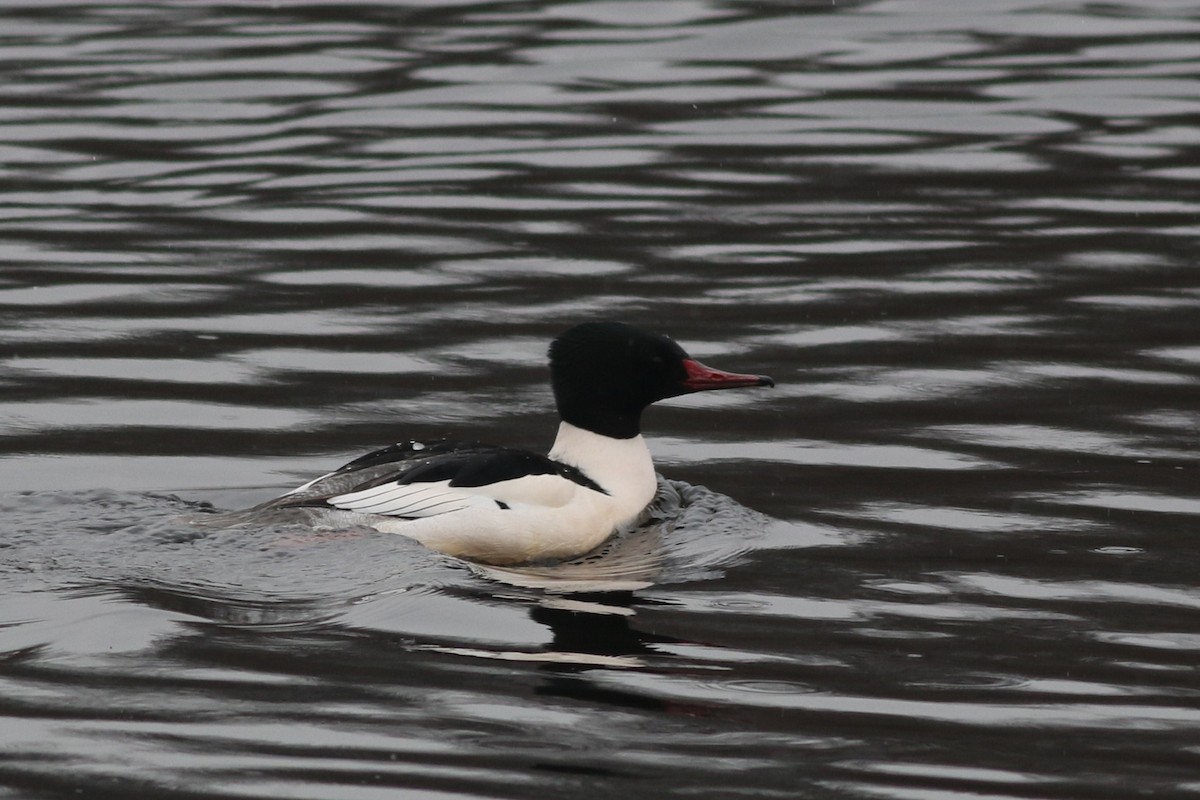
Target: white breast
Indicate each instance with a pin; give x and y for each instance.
(623, 467)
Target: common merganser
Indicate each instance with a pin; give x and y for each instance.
(503, 506)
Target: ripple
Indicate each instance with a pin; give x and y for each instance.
(1112, 374)
(80, 627)
(1042, 716)
(1040, 437)
(335, 361)
(178, 370)
(1190, 355)
(105, 413)
(1158, 641)
(953, 772)
(98, 293)
(883, 385)
(375, 175)
(668, 13)
(396, 278)
(535, 266)
(1130, 501)
(835, 334)
(965, 519)
(923, 117)
(828, 453)
(962, 159)
(1087, 591)
(225, 90)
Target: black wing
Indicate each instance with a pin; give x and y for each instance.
(430, 470)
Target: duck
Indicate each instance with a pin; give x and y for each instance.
(505, 506)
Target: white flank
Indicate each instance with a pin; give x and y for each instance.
(549, 517)
(412, 500)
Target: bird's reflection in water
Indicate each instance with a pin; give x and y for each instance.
(584, 611)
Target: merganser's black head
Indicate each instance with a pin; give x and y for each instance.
(604, 375)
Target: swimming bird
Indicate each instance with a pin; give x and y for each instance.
(499, 505)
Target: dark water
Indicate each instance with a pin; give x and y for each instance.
(953, 556)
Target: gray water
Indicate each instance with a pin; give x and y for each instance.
(952, 556)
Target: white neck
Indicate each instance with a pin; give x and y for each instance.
(622, 467)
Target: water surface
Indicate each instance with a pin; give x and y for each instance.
(952, 555)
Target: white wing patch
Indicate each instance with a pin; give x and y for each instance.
(414, 500)
(410, 499)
